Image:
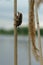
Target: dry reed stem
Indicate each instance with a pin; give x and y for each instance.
(32, 29)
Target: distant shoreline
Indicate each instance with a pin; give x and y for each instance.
(20, 31)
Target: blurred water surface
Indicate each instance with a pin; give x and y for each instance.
(7, 50)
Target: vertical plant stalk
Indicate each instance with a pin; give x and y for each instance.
(29, 43)
(39, 38)
(32, 28)
(15, 33)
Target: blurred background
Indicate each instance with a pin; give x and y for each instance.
(7, 33)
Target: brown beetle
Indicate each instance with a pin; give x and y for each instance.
(18, 19)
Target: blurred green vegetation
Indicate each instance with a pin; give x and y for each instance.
(20, 31)
(6, 32)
